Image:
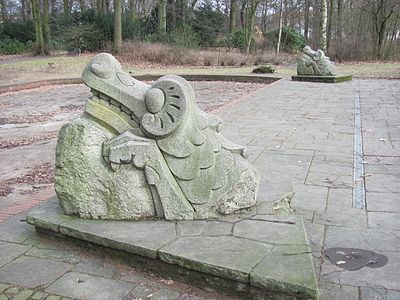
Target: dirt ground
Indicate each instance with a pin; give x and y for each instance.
(30, 120)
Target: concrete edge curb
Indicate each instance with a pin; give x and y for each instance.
(190, 77)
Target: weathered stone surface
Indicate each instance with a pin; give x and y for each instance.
(314, 63)
(143, 292)
(95, 267)
(9, 251)
(141, 151)
(99, 192)
(32, 271)
(191, 227)
(379, 294)
(272, 273)
(143, 238)
(224, 256)
(218, 228)
(16, 231)
(329, 291)
(323, 79)
(274, 230)
(84, 286)
(53, 215)
(198, 245)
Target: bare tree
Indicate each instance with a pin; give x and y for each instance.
(329, 25)
(39, 42)
(46, 26)
(162, 19)
(278, 46)
(4, 10)
(117, 26)
(251, 9)
(306, 18)
(322, 25)
(232, 16)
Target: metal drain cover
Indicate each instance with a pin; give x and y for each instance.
(353, 259)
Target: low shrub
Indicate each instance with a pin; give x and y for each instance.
(21, 31)
(292, 41)
(236, 39)
(165, 54)
(267, 69)
(83, 37)
(13, 46)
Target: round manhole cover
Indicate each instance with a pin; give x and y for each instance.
(354, 259)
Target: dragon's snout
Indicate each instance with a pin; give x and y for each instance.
(109, 82)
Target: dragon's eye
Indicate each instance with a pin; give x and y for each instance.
(154, 100)
(101, 70)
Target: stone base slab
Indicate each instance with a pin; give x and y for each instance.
(259, 253)
(325, 79)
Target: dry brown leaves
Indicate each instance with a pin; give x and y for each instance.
(40, 174)
(12, 143)
(42, 117)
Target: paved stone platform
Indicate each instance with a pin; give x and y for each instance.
(324, 79)
(267, 252)
(300, 131)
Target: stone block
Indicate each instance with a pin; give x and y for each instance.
(90, 287)
(33, 272)
(323, 79)
(223, 256)
(10, 251)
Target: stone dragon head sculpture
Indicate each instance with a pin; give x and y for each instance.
(143, 151)
(315, 63)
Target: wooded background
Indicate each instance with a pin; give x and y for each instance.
(345, 29)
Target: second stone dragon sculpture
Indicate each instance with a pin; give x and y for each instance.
(315, 63)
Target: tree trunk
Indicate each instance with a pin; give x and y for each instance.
(162, 19)
(23, 10)
(173, 15)
(53, 9)
(104, 6)
(278, 46)
(339, 25)
(46, 26)
(322, 25)
(183, 12)
(250, 14)
(232, 16)
(66, 11)
(264, 17)
(306, 18)
(117, 26)
(39, 43)
(132, 10)
(99, 6)
(380, 21)
(82, 5)
(329, 25)
(4, 10)
(242, 15)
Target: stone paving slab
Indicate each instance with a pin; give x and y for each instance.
(82, 286)
(10, 251)
(33, 272)
(265, 251)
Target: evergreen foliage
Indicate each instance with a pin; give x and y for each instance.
(292, 40)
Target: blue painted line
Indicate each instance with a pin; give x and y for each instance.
(358, 176)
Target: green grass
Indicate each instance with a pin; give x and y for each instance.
(63, 66)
